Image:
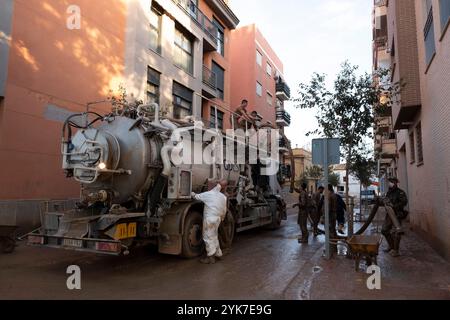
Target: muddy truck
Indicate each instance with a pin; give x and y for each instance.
(134, 190)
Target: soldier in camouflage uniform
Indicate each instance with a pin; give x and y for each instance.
(333, 207)
(318, 201)
(304, 207)
(398, 200)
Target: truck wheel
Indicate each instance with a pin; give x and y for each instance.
(276, 219)
(192, 241)
(8, 245)
(226, 231)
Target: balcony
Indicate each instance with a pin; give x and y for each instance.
(380, 3)
(380, 43)
(283, 91)
(283, 118)
(388, 149)
(224, 13)
(283, 145)
(200, 19)
(383, 125)
(209, 81)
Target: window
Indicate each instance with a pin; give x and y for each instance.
(428, 32)
(192, 7)
(259, 89)
(153, 77)
(269, 99)
(155, 30)
(412, 147)
(269, 70)
(258, 58)
(220, 79)
(444, 6)
(183, 51)
(219, 115)
(220, 37)
(182, 101)
(419, 143)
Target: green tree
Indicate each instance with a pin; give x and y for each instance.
(314, 172)
(334, 179)
(363, 167)
(347, 111)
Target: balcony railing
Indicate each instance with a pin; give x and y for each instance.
(381, 42)
(283, 91)
(380, 3)
(198, 17)
(209, 78)
(283, 118)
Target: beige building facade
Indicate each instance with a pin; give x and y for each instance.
(302, 161)
(418, 42)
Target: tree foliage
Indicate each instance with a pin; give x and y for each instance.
(334, 179)
(348, 110)
(314, 172)
(363, 167)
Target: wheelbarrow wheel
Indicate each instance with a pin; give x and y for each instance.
(8, 244)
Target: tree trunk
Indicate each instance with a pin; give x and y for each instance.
(360, 202)
(347, 198)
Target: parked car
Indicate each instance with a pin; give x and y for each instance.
(368, 196)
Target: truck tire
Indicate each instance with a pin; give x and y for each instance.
(7, 245)
(276, 219)
(227, 231)
(192, 242)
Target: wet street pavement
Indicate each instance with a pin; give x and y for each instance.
(263, 264)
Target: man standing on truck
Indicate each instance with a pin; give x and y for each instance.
(241, 118)
(214, 213)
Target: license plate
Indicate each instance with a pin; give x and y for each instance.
(125, 231)
(73, 243)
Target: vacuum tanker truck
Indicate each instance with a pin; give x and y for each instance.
(134, 189)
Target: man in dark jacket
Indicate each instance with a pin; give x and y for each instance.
(398, 200)
(317, 213)
(340, 214)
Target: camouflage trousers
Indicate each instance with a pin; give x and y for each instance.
(303, 223)
(393, 238)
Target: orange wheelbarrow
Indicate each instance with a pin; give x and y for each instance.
(364, 247)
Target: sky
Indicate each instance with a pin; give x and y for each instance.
(311, 36)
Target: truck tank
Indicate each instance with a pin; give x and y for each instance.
(135, 188)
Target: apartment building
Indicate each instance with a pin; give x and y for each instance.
(385, 142)
(258, 76)
(419, 46)
(56, 57)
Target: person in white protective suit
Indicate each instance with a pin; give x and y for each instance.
(214, 213)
